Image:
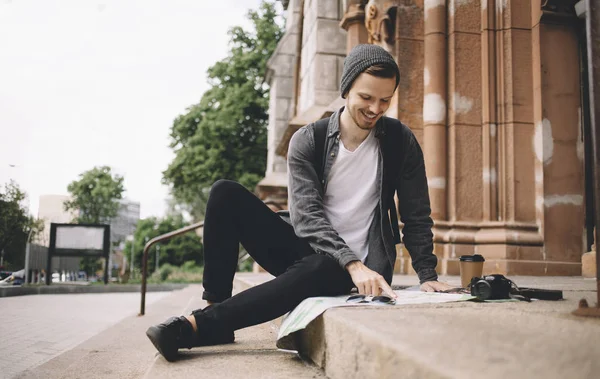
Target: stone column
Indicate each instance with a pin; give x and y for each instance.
(435, 139)
(353, 23)
(280, 77)
(558, 142)
(323, 53)
(409, 52)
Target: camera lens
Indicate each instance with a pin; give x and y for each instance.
(482, 290)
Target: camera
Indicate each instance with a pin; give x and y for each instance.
(491, 287)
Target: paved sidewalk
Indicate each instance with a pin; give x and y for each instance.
(37, 328)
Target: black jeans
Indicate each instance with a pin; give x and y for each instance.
(233, 216)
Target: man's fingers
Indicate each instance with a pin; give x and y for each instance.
(361, 288)
(387, 289)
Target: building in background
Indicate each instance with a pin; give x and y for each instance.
(121, 226)
(496, 92)
(51, 209)
(125, 222)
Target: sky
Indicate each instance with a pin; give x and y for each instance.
(90, 83)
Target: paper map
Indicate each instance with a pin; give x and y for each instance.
(312, 307)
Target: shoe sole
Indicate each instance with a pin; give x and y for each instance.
(157, 340)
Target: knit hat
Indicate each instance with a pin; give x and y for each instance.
(361, 58)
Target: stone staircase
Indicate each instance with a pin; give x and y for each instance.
(457, 340)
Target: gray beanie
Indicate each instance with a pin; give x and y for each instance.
(361, 58)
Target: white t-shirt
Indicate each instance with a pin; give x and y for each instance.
(351, 198)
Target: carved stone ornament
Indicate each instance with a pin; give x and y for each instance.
(380, 20)
(355, 12)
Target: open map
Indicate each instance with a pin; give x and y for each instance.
(312, 307)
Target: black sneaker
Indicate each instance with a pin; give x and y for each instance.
(171, 335)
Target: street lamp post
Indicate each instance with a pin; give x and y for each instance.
(157, 254)
(131, 239)
(27, 252)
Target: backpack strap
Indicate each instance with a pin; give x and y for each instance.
(394, 162)
(320, 130)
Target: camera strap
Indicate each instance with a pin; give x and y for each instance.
(519, 297)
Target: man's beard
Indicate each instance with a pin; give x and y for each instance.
(363, 124)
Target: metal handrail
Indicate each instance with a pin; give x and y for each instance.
(152, 242)
(166, 236)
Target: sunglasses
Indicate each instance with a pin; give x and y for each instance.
(375, 299)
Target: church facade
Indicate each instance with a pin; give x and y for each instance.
(496, 92)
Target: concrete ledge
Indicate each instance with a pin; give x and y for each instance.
(458, 340)
(70, 289)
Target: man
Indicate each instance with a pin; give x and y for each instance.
(338, 233)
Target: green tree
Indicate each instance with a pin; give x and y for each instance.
(96, 197)
(175, 251)
(225, 135)
(15, 225)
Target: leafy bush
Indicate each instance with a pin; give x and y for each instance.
(189, 272)
(191, 267)
(166, 270)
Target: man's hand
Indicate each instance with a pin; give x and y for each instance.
(367, 281)
(435, 286)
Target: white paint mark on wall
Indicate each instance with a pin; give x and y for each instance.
(501, 5)
(539, 203)
(552, 200)
(580, 146)
(430, 4)
(426, 77)
(486, 175)
(437, 182)
(543, 144)
(455, 4)
(461, 104)
(434, 108)
(539, 176)
(489, 175)
(493, 130)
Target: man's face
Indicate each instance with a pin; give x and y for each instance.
(369, 98)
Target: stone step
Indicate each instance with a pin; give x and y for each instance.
(458, 340)
(124, 351)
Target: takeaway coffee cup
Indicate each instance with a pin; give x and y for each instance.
(470, 266)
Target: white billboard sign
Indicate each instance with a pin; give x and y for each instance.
(80, 237)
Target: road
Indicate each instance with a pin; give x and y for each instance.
(37, 328)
